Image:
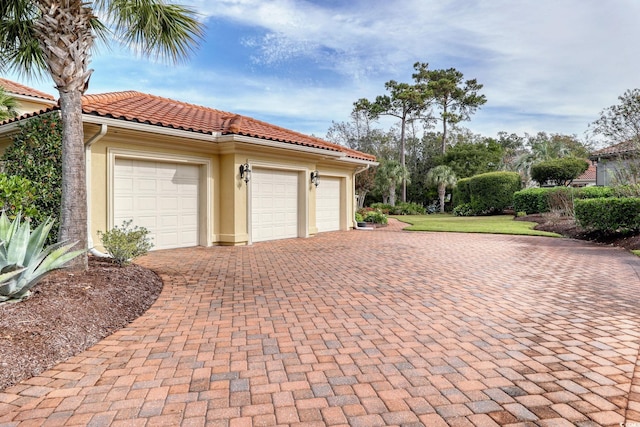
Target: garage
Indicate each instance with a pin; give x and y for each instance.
(328, 204)
(162, 197)
(274, 205)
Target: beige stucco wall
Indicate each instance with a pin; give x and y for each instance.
(226, 214)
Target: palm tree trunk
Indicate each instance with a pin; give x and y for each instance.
(442, 189)
(402, 160)
(73, 209)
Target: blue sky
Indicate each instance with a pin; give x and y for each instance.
(546, 65)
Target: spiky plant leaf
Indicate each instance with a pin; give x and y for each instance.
(37, 240)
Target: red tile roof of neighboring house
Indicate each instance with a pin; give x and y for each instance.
(621, 148)
(19, 89)
(589, 174)
(143, 108)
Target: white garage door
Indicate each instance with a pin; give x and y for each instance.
(274, 205)
(162, 197)
(328, 204)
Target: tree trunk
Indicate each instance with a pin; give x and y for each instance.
(443, 148)
(73, 208)
(392, 195)
(442, 189)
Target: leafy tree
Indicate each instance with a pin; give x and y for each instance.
(456, 99)
(405, 102)
(621, 122)
(36, 154)
(442, 177)
(8, 105)
(467, 159)
(56, 37)
(365, 182)
(561, 171)
(389, 175)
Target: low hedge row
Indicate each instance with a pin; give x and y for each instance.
(609, 214)
(537, 200)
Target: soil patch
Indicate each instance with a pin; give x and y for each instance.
(69, 312)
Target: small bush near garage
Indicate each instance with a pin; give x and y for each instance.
(373, 216)
(609, 215)
(493, 192)
(126, 243)
(36, 154)
(401, 208)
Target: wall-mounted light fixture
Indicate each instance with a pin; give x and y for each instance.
(245, 172)
(315, 176)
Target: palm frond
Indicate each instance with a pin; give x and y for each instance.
(19, 48)
(153, 27)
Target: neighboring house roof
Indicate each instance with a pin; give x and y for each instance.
(18, 89)
(154, 110)
(588, 175)
(615, 150)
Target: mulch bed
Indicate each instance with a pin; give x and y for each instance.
(69, 312)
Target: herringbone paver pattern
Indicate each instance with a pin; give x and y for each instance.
(364, 329)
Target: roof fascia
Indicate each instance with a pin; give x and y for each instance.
(33, 99)
(279, 144)
(145, 127)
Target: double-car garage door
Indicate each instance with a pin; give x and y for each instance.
(162, 197)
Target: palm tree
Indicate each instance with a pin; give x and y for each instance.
(389, 175)
(8, 105)
(442, 177)
(56, 37)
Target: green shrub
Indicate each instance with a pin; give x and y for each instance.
(126, 243)
(18, 195)
(375, 217)
(492, 192)
(520, 214)
(629, 190)
(36, 154)
(462, 192)
(385, 208)
(359, 217)
(560, 171)
(463, 209)
(609, 215)
(23, 258)
(406, 208)
(531, 200)
(594, 192)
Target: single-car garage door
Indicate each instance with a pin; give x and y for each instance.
(162, 197)
(274, 205)
(328, 204)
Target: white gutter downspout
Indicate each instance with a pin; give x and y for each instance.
(87, 158)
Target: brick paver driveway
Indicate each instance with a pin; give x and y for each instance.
(364, 329)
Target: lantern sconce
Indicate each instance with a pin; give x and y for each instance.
(245, 172)
(315, 176)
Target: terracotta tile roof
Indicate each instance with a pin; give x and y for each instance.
(589, 174)
(143, 108)
(20, 89)
(621, 148)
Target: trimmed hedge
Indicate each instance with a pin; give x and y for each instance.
(462, 192)
(401, 208)
(493, 191)
(609, 214)
(537, 200)
(561, 171)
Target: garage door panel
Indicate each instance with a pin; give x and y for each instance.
(328, 204)
(150, 194)
(274, 205)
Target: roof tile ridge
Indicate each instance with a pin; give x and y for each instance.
(26, 90)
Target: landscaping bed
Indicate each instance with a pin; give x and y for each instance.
(567, 227)
(68, 313)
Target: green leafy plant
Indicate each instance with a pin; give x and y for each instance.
(359, 217)
(609, 215)
(36, 154)
(463, 209)
(559, 171)
(126, 243)
(374, 216)
(23, 259)
(492, 192)
(17, 195)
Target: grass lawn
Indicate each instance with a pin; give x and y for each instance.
(499, 224)
(636, 252)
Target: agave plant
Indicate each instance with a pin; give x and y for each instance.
(23, 259)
